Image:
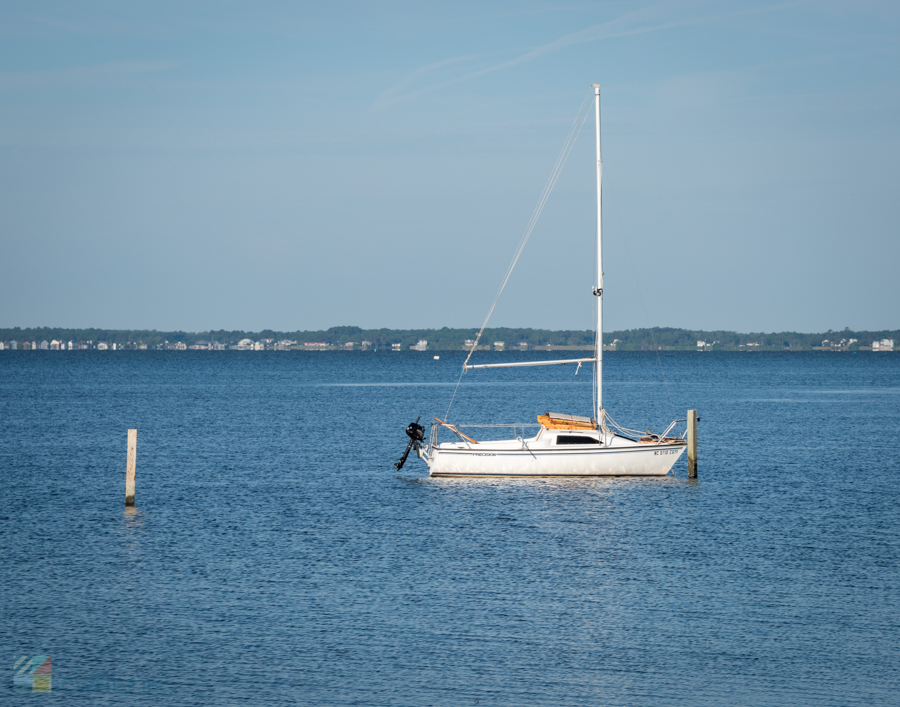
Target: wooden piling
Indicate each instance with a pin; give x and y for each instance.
(692, 443)
(130, 467)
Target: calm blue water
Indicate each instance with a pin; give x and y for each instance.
(276, 557)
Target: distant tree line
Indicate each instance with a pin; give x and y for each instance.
(446, 339)
(670, 339)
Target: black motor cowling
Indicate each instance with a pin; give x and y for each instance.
(416, 434)
(415, 431)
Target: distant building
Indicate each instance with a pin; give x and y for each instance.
(883, 345)
(841, 345)
(420, 346)
(315, 344)
(45, 345)
(70, 345)
(499, 345)
(102, 346)
(350, 345)
(2, 346)
(395, 347)
(179, 346)
(259, 346)
(55, 345)
(26, 346)
(13, 344)
(522, 345)
(469, 343)
(365, 345)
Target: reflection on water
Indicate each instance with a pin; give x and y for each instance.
(132, 517)
(538, 484)
(275, 556)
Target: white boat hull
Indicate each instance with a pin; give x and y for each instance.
(630, 460)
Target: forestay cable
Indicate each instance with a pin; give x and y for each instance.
(548, 187)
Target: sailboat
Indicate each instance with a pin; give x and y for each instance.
(565, 444)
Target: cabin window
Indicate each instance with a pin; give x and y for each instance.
(576, 439)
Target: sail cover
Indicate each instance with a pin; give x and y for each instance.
(562, 421)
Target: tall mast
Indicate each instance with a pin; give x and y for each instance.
(598, 290)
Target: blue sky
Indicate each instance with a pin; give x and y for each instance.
(298, 166)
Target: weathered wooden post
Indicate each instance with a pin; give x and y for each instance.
(130, 467)
(692, 443)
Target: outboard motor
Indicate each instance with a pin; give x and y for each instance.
(416, 434)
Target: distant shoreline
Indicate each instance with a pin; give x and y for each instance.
(350, 338)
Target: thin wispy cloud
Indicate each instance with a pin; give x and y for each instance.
(655, 18)
(402, 89)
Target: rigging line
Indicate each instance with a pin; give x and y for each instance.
(557, 168)
(572, 137)
(548, 188)
(641, 295)
(453, 397)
